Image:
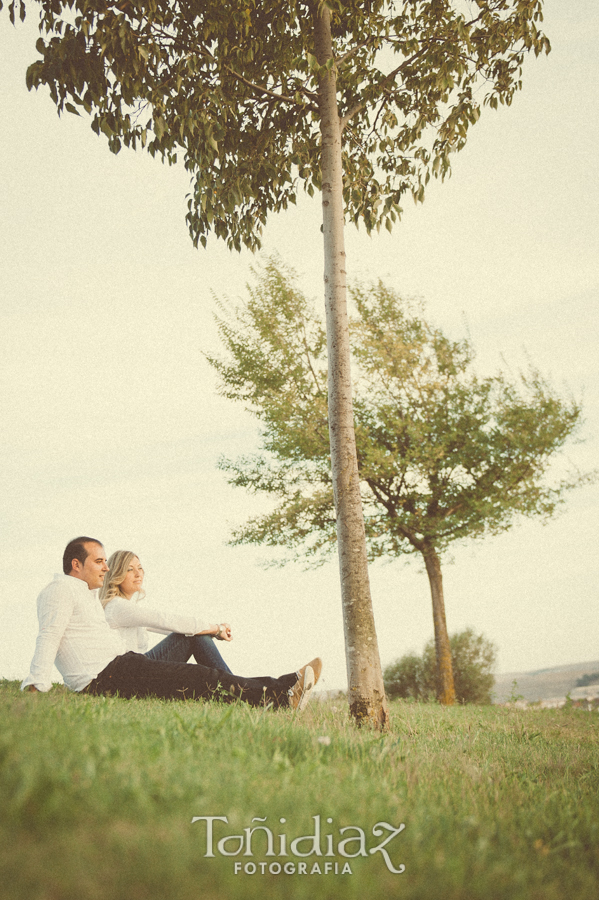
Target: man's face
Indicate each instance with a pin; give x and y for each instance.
(94, 568)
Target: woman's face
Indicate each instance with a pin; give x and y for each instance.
(133, 579)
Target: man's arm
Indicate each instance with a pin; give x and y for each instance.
(54, 611)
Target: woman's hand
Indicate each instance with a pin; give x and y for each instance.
(224, 632)
(220, 632)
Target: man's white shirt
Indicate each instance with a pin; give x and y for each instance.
(73, 634)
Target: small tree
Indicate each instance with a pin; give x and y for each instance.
(360, 101)
(443, 455)
(406, 679)
(472, 656)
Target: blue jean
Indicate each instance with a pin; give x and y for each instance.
(181, 647)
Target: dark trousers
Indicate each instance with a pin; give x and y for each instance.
(134, 675)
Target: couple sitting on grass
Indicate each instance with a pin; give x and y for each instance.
(91, 626)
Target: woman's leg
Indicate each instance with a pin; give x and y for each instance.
(206, 653)
(173, 648)
(180, 647)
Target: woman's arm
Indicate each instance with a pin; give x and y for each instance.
(122, 613)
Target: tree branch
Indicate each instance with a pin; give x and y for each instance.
(392, 513)
(343, 120)
(339, 62)
(308, 359)
(280, 98)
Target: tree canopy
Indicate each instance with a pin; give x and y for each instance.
(234, 87)
(443, 454)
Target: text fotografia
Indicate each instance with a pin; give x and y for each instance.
(349, 842)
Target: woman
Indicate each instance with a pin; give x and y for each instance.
(187, 636)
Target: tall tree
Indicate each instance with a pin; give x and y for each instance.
(362, 101)
(443, 454)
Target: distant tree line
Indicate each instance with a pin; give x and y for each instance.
(585, 680)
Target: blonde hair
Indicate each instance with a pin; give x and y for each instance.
(118, 564)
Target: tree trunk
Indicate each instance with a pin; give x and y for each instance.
(367, 700)
(445, 686)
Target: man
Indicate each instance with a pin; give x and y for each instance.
(74, 634)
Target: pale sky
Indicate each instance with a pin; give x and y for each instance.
(111, 421)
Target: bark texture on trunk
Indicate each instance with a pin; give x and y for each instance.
(445, 686)
(367, 700)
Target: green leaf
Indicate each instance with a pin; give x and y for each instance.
(159, 127)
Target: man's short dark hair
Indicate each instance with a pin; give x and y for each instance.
(76, 549)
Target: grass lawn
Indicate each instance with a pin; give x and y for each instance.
(98, 796)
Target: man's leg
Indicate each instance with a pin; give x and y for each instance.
(134, 675)
(180, 647)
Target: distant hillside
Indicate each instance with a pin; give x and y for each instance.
(543, 684)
